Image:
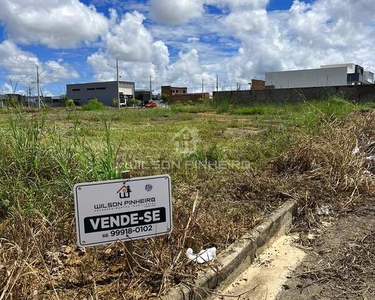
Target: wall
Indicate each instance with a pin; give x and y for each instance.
(355, 93)
(308, 78)
(187, 97)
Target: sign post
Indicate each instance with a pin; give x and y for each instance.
(123, 210)
(129, 244)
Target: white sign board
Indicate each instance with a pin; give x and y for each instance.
(124, 209)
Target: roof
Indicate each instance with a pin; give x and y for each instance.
(100, 82)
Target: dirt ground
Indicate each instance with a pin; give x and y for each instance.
(340, 261)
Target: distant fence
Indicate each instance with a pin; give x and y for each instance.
(355, 93)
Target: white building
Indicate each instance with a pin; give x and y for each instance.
(328, 75)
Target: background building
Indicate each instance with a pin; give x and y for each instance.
(257, 85)
(171, 91)
(105, 92)
(329, 75)
(180, 94)
(143, 96)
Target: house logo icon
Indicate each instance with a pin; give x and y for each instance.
(186, 140)
(124, 191)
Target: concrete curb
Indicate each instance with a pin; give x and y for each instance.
(238, 256)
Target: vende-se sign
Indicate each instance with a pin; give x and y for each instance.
(124, 209)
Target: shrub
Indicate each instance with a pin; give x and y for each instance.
(190, 102)
(94, 104)
(115, 102)
(134, 101)
(165, 98)
(69, 103)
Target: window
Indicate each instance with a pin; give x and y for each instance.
(76, 90)
(176, 91)
(76, 99)
(184, 92)
(100, 88)
(90, 89)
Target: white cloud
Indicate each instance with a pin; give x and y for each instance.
(188, 70)
(132, 43)
(6, 89)
(129, 40)
(54, 23)
(254, 22)
(160, 56)
(242, 42)
(176, 12)
(21, 66)
(306, 36)
(240, 4)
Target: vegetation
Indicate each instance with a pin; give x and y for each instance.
(165, 98)
(94, 104)
(243, 164)
(69, 103)
(134, 101)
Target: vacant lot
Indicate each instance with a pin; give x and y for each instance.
(229, 166)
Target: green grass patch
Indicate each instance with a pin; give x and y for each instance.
(94, 104)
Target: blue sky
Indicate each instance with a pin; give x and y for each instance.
(180, 42)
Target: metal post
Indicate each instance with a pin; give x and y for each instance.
(150, 87)
(128, 244)
(118, 85)
(202, 87)
(37, 84)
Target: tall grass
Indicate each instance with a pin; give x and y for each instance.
(39, 162)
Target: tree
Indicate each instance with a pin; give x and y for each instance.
(165, 98)
(134, 101)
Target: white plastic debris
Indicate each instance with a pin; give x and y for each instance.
(323, 210)
(371, 157)
(356, 150)
(203, 256)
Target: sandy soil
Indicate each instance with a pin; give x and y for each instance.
(341, 261)
(266, 276)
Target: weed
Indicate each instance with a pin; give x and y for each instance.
(94, 104)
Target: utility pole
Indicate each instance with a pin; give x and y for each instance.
(118, 85)
(29, 96)
(202, 87)
(150, 87)
(37, 85)
(217, 82)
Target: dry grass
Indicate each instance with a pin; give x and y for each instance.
(39, 260)
(325, 170)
